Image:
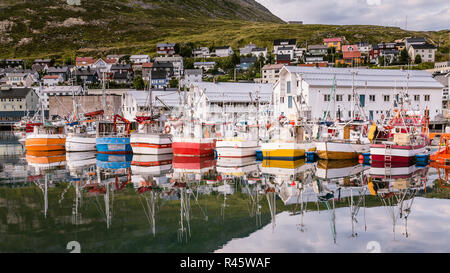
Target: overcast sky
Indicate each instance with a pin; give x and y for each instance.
(422, 14)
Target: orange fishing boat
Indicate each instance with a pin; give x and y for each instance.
(46, 138)
(442, 156)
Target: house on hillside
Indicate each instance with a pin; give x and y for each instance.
(139, 59)
(205, 65)
(166, 67)
(283, 43)
(177, 64)
(15, 103)
(335, 42)
(224, 51)
(84, 62)
(20, 79)
(414, 41)
(160, 79)
(59, 70)
(201, 52)
(146, 70)
(50, 80)
(193, 75)
(426, 51)
(166, 49)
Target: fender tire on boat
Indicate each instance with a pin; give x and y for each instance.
(167, 129)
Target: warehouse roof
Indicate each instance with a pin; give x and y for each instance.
(323, 76)
(234, 92)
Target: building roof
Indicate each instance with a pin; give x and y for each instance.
(43, 61)
(147, 65)
(85, 72)
(234, 92)
(139, 56)
(51, 77)
(169, 98)
(14, 92)
(283, 41)
(193, 72)
(324, 47)
(204, 63)
(62, 89)
(258, 49)
(387, 78)
(165, 45)
(283, 57)
(88, 60)
(223, 47)
(352, 54)
(416, 40)
(349, 47)
(58, 69)
(442, 78)
(423, 46)
(273, 66)
(121, 67)
(335, 39)
(169, 59)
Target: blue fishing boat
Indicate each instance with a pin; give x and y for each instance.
(114, 162)
(113, 137)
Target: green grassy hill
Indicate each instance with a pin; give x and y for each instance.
(33, 29)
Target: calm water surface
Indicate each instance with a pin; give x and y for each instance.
(134, 204)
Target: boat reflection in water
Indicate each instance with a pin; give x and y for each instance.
(397, 188)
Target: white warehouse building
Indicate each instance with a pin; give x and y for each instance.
(218, 98)
(376, 90)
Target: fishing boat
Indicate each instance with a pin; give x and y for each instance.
(150, 138)
(336, 139)
(328, 170)
(402, 137)
(82, 135)
(344, 140)
(290, 140)
(47, 136)
(151, 164)
(113, 137)
(241, 137)
(192, 137)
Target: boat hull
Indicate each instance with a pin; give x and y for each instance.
(193, 148)
(80, 144)
(401, 155)
(113, 145)
(43, 142)
(286, 151)
(236, 149)
(151, 144)
(340, 150)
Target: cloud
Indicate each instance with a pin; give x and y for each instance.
(418, 14)
(286, 237)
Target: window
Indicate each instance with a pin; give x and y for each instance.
(326, 97)
(349, 97)
(290, 102)
(288, 87)
(372, 98)
(281, 99)
(386, 97)
(338, 97)
(427, 97)
(416, 97)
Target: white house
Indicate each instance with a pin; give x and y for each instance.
(139, 59)
(426, 51)
(247, 49)
(219, 98)
(19, 79)
(134, 102)
(50, 80)
(193, 75)
(205, 65)
(309, 89)
(257, 52)
(271, 73)
(224, 51)
(201, 52)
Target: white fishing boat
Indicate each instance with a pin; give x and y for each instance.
(343, 140)
(150, 137)
(151, 164)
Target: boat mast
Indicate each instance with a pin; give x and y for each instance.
(150, 95)
(352, 108)
(103, 93)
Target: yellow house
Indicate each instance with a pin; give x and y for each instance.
(333, 42)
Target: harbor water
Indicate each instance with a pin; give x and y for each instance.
(130, 203)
